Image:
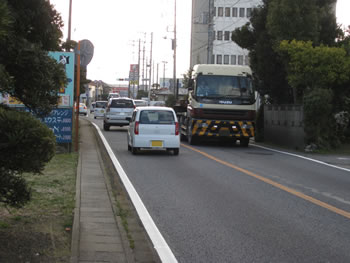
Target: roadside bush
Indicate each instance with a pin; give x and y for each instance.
(26, 145)
(318, 119)
(170, 102)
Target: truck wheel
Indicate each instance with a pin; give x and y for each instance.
(106, 127)
(176, 151)
(244, 142)
(190, 138)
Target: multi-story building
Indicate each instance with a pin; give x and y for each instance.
(212, 24)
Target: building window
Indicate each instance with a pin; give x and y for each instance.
(227, 35)
(226, 59)
(246, 60)
(227, 11)
(233, 60)
(249, 12)
(214, 11)
(219, 35)
(220, 11)
(234, 12)
(240, 60)
(218, 59)
(241, 12)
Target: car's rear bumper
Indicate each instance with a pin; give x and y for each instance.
(168, 141)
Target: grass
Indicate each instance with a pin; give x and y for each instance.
(48, 216)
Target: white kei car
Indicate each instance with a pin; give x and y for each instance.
(100, 108)
(153, 128)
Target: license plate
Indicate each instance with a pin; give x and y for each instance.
(157, 144)
(224, 132)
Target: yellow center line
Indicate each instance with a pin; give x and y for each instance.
(273, 183)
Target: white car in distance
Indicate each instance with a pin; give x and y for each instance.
(153, 128)
(100, 109)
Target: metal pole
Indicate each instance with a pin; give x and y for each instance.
(77, 100)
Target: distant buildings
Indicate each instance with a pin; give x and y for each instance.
(212, 24)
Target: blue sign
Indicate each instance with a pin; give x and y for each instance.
(60, 122)
(66, 93)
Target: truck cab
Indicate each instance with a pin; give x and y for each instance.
(221, 104)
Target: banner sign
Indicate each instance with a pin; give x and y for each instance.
(60, 122)
(66, 92)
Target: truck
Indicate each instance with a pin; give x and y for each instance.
(221, 105)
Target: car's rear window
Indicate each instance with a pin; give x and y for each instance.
(101, 104)
(122, 104)
(156, 117)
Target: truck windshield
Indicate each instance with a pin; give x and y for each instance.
(224, 87)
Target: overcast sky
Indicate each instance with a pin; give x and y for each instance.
(115, 27)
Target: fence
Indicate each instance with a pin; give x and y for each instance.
(283, 125)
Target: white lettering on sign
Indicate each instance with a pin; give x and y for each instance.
(225, 101)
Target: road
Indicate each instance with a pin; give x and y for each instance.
(222, 203)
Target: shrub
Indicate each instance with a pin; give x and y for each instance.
(318, 118)
(26, 144)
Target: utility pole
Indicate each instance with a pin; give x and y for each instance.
(210, 32)
(138, 70)
(69, 20)
(157, 75)
(174, 72)
(143, 65)
(164, 62)
(150, 69)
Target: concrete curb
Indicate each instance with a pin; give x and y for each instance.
(76, 222)
(125, 242)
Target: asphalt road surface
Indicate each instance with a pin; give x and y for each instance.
(224, 203)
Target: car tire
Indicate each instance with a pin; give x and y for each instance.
(106, 127)
(94, 117)
(134, 150)
(176, 151)
(129, 147)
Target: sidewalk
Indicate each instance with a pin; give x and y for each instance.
(96, 236)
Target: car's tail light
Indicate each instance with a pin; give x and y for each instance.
(136, 129)
(176, 128)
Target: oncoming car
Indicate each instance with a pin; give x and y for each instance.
(100, 109)
(153, 128)
(117, 112)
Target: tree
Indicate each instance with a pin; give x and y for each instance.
(277, 20)
(28, 30)
(186, 78)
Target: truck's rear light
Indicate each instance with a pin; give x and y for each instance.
(136, 128)
(176, 128)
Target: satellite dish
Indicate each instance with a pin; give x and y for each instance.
(86, 52)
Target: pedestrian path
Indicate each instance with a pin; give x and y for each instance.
(95, 231)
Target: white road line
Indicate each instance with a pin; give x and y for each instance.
(159, 243)
(302, 157)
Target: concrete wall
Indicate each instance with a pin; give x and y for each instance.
(283, 125)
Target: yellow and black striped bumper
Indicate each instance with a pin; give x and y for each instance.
(220, 128)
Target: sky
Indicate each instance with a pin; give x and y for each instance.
(115, 27)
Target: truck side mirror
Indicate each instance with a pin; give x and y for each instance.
(190, 84)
